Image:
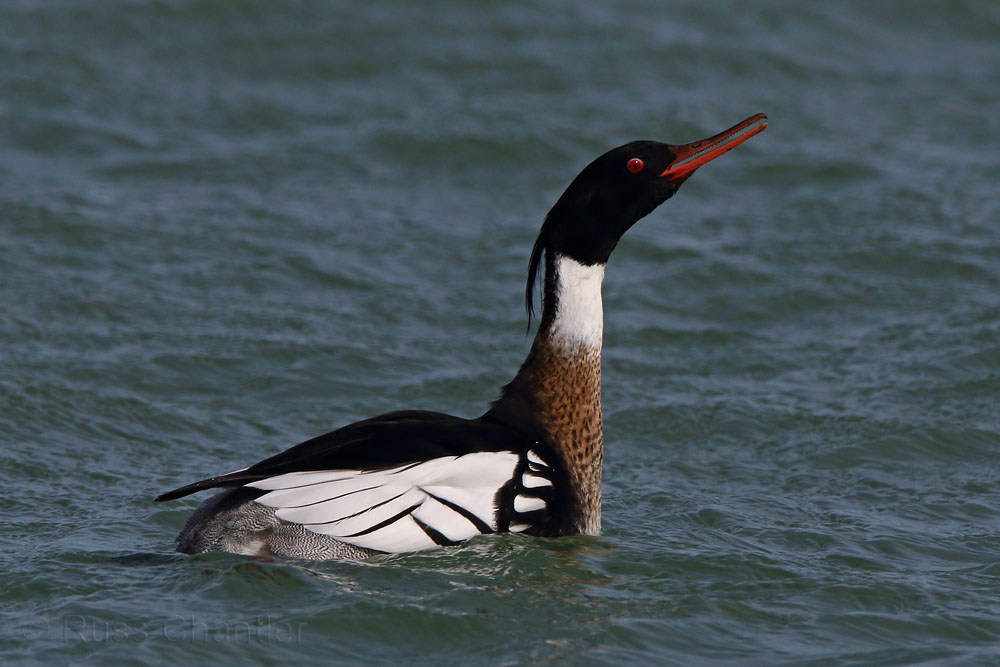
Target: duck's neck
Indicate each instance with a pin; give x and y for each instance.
(560, 381)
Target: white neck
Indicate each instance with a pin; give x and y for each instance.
(579, 316)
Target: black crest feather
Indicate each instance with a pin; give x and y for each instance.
(534, 266)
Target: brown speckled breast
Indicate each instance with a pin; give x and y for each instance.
(565, 389)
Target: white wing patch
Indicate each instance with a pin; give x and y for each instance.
(530, 480)
(524, 504)
(535, 477)
(407, 508)
(533, 457)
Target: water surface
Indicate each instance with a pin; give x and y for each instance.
(227, 227)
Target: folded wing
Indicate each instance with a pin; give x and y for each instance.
(422, 505)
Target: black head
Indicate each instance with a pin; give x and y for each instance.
(620, 188)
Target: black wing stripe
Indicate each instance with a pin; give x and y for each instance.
(351, 516)
(480, 525)
(405, 468)
(436, 535)
(387, 522)
(343, 495)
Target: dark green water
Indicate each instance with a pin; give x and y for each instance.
(228, 226)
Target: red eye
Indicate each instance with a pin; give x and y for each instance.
(635, 165)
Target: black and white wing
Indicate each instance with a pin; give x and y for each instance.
(529, 504)
(406, 481)
(417, 506)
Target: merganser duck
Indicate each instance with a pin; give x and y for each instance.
(411, 480)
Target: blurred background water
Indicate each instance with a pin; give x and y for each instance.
(229, 226)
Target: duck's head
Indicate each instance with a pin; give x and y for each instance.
(620, 188)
